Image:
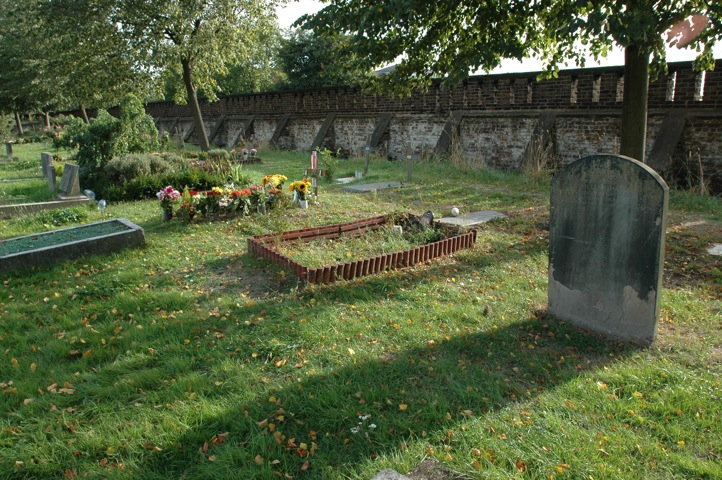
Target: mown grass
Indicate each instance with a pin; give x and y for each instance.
(188, 358)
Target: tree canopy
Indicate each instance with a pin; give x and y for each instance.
(447, 39)
(311, 61)
(198, 38)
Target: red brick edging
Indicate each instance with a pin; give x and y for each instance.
(262, 245)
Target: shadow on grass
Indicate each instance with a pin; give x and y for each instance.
(369, 407)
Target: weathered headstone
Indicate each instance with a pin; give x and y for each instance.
(47, 160)
(51, 178)
(9, 148)
(606, 246)
(69, 183)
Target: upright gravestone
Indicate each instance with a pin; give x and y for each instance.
(47, 160)
(69, 183)
(606, 246)
(9, 148)
(51, 178)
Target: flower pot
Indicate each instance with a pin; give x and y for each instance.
(167, 214)
(303, 203)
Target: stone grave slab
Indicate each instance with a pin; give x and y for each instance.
(389, 474)
(344, 180)
(69, 183)
(370, 187)
(715, 249)
(606, 246)
(472, 218)
(46, 160)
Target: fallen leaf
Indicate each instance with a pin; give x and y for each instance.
(258, 459)
(403, 407)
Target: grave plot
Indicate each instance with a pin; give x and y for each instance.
(69, 243)
(276, 248)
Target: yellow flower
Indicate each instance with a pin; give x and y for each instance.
(292, 187)
(302, 187)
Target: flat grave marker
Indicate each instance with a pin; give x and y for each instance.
(472, 218)
(370, 187)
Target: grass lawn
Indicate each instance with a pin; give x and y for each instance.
(189, 359)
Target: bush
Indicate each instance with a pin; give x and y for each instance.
(219, 154)
(61, 216)
(127, 167)
(146, 186)
(107, 137)
(7, 123)
(72, 134)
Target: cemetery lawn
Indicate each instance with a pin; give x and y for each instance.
(188, 358)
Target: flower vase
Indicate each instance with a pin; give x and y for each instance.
(167, 214)
(303, 204)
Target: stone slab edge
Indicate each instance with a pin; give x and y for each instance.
(472, 218)
(10, 211)
(370, 187)
(389, 474)
(132, 237)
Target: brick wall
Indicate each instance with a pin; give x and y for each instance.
(500, 113)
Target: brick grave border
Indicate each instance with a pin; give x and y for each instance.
(263, 246)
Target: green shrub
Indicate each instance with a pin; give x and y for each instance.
(71, 136)
(7, 123)
(61, 216)
(107, 137)
(219, 153)
(138, 133)
(127, 167)
(146, 186)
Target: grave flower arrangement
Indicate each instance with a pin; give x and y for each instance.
(209, 202)
(273, 181)
(301, 189)
(168, 196)
(253, 152)
(258, 197)
(240, 201)
(187, 209)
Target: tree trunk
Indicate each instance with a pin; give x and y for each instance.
(84, 114)
(634, 105)
(19, 123)
(195, 107)
(47, 120)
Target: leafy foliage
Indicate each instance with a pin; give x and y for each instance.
(197, 39)
(106, 137)
(62, 216)
(127, 167)
(311, 61)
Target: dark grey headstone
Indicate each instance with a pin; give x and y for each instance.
(606, 246)
(69, 183)
(9, 148)
(47, 160)
(51, 178)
